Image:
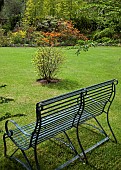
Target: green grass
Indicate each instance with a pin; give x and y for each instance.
(23, 92)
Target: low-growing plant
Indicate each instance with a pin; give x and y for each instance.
(33, 37)
(18, 37)
(4, 39)
(47, 61)
(48, 24)
(107, 32)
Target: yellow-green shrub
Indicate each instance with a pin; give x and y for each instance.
(47, 61)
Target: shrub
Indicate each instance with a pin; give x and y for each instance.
(104, 40)
(29, 37)
(65, 34)
(69, 34)
(47, 61)
(18, 37)
(33, 37)
(4, 39)
(51, 38)
(49, 24)
(108, 41)
(107, 32)
(62, 33)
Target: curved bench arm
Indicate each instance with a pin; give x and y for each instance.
(115, 81)
(10, 132)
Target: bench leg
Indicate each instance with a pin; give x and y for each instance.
(111, 129)
(107, 112)
(79, 141)
(70, 144)
(101, 129)
(12, 157)
(5, 147)
(36, 159)
(28, 163)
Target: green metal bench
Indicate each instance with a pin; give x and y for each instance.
(62, 113)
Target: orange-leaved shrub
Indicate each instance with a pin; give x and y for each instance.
(65, 34)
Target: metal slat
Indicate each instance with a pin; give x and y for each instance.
(99, 93)
(99, 89)
(59, 105)
(61, 118)
(61, 97)
(57, 113)
(63, 125)
(44, 136)
(98, 99)
(96, 86)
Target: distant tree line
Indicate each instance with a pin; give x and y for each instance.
(99, 20)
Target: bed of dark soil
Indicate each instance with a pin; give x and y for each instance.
(44, 81)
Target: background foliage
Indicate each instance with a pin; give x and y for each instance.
(98, 20)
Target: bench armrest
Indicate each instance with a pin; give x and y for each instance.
(10, 132)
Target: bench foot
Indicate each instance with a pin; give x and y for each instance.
(27, 166)
(12, 157)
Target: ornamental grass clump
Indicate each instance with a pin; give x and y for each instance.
(47, 61)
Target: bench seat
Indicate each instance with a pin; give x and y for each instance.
(50, 127)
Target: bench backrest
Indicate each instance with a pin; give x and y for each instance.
(59, 110)
(98, 99)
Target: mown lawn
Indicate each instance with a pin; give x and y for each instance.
(22, 92)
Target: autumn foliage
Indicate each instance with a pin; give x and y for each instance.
(65, 34)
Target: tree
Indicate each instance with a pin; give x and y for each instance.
(12, 11)
(99, 15)
(1, 4)
(30, 12)
(40, 9)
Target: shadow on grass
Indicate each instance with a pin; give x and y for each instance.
(51, 155)
(65, 84)
(4, 85)
(8, 115)
(106, 157)
(5, 100)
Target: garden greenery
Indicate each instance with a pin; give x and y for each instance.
(100, 21)
(62, 34)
